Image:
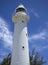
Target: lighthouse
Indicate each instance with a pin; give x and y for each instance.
(20, 49)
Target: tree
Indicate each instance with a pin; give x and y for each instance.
(7, 60)
(35, 59)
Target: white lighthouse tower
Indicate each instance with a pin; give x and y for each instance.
(20, 52)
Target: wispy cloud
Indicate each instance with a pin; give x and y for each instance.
(40, 48)
(34, 13)
(7, 38)
(41, 35)
(5, 34)
(35, 41)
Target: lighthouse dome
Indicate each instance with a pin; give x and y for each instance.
(21, 8)
(20, 13)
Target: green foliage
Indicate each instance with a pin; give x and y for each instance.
(35, 59)
(7, 60)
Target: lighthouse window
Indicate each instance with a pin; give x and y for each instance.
(20, 9)
(26, 34)
(22, 21)
(23, 47)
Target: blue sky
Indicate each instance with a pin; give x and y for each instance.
(37, 26)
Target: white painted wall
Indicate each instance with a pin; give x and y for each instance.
(20, 55)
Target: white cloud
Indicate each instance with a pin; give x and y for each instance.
(45, 47)
(38, 48)
(34, 13)
(7, 38)
(5, 34)
(41, 35)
